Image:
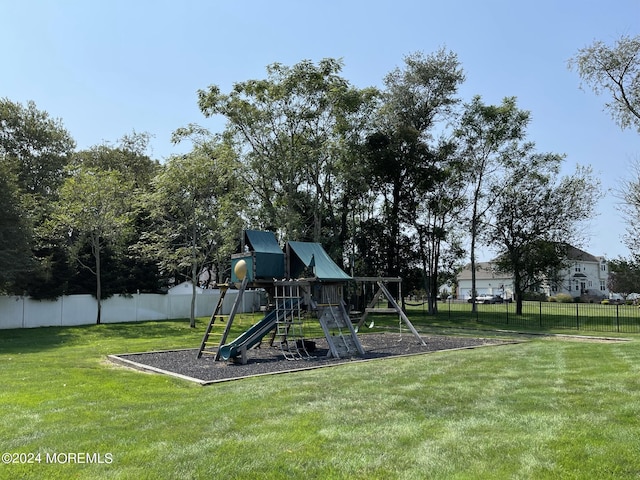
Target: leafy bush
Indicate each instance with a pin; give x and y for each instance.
(535, 296)
(563, 298)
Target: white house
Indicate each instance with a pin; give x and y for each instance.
(586, 275)
(488, 281)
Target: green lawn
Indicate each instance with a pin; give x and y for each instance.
(542, 409)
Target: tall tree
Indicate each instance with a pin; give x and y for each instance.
(94, 211)
(492, 138)
(403, 165)
(616, 71)
(129, 271)
(15, 252)
(290, 127)
(536, 215)
(128, 156)
(37, 146)
(34, 150)
(438, 217)
(197, 204)
(629, 192)
(624, 276)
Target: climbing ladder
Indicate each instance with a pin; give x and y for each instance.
(212, 347)
(211, 340)
(336, 325)
(290, 322)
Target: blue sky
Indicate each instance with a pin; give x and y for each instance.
(106, 68)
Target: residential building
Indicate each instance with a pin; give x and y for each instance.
(489, 281)
(585, 276)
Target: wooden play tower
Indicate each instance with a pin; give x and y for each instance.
(300, 281)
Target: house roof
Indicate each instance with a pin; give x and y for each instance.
(484, 271)
(574, 253)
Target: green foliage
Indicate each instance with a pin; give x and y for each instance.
(34, 150)
(563, 298)
(536, 215)
(292, 125)
(614, 70)
(624, 276)
(94, 210)
(196, 205)
(37, 146)
(15, 234)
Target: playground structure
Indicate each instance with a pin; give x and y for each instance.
(300, 281)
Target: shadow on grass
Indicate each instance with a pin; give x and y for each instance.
(30, 340)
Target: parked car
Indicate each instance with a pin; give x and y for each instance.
(488, 299)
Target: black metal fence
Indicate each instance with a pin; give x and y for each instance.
(549, 315)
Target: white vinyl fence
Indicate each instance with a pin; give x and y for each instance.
(25, 312)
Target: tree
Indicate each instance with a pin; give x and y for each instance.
(629, 192)
(196, 202)
(536, 216)
(94, 211)
(129, 272)
(15, 252)
(34, 150)
(291, 129)
(439, 214)
(615, 70)
(403, 165)
(37, 146)
(491, 139)
(624, 276)
(128, 157)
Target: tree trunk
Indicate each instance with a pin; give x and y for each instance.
(98, 282)
(194, 277)
(474, 307)
(517, 282)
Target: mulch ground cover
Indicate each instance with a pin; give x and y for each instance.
(266, 359)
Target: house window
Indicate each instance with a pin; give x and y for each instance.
(602, 285)
(554, 288)
(603, 267)
(590, 284)
(577, 287)
(578, 269)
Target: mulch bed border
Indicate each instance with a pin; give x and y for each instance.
(126, 362)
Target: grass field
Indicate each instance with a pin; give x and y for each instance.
(541, 409)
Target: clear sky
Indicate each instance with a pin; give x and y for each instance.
(107, 68)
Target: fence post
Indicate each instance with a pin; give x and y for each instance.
(618, 318)
(577, 317)
(540, 311)
(507, 304)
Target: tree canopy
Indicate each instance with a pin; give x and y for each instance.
(614, 70)
(393, 181)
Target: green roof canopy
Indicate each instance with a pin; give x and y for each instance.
(263, 242)
(312, 256)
